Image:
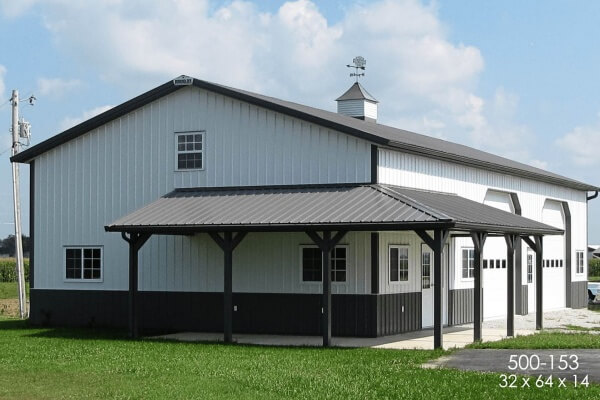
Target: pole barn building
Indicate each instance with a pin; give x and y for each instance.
(201, 207)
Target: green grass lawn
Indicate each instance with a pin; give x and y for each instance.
(40, 363)
(8, 290)
(594, 278)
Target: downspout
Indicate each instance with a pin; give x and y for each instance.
(592, 197)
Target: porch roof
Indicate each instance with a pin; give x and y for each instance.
(319, 207)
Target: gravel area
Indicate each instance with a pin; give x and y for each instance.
(552, 320)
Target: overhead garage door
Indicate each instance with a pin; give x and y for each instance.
(554, 257)
(494, 255)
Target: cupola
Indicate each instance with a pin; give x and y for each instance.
(358, 103)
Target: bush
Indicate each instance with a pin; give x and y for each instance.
(8, 270)
(594, 267)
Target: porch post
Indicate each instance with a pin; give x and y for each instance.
(478, 242)
(326, 302)
(227, 290)
(135, 241)
(539, 283)
(326, 243)
(227, 243)
(437, 245)
(510, 283)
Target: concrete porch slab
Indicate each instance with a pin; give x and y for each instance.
(455, 337)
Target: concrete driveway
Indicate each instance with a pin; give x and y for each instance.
(574, 364)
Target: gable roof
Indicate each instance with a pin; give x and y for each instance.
(357, 92)
(298, 208)
(382, 135)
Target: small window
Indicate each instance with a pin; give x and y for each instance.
(468, 263)
(491, 264)
(580, 260)
(529, 268)
(190, 150)
(426, 269)
(398, 263)
(503, 263)
(83, 263)
(311, 264)
(485, 264)
(560, 263)
(498, 264)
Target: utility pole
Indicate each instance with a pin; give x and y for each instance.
(17, 206)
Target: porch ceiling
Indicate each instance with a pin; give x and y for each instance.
(319, 207)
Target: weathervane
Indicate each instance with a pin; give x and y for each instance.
(359, 63)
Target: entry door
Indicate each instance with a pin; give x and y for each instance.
(427, 285)
(530, 279)
(427, 279)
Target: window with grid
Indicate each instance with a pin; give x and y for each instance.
(529, 268)
(468, 263)
(579, 258)
(311, 264)
(398, 263)
(190, 150)
(426, 269)
(83, 263)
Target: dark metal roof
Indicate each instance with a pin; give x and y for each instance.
(357, 92)
(294, 208)
(380, 134)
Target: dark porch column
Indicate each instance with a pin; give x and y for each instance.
(537, 245)
(227, 243)
(478, 243)
(511, 242)
(539, 283)
(136, 241)
(326, 244)
(437, 245)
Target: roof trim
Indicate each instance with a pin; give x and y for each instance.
(262, 101)
(436, 219)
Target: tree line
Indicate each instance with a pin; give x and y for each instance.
(7, 245)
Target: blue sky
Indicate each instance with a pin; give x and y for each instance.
(514, 78)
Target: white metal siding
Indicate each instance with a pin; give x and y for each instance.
(370, 110)
(554, 249)
(410, 239)
(495, 280)
(414, 171)
(91, 181)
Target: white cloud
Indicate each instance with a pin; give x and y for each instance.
(582, 144)
(69, 122)
(12, 8)
(56, 87)
(423, 80)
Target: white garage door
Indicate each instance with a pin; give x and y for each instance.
(494, 255)
(554, 254)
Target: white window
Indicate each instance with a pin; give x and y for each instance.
(311, 262)
(529, 267)
(398, 259)
(190, 146)
(83, 263)
(579, 261)
(425, 268)
(468, 263)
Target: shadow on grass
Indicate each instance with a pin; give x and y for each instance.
(26, 328)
